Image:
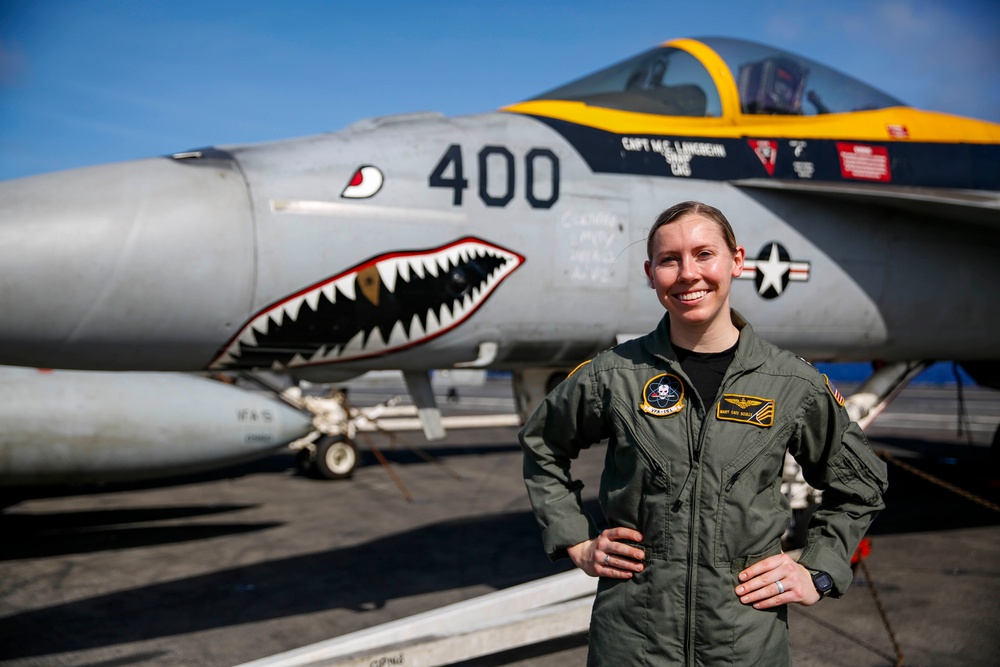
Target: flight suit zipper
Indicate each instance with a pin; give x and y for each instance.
(659, 474)
(696, 452)
(694, 523)
(646, 454)
(693, 530)
(749, 464)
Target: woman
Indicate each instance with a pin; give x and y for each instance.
(698, 415)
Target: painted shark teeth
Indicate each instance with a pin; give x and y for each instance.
(345, 317)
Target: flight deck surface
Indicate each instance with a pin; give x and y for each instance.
(256, 560)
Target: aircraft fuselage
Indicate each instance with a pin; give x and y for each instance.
(490, 229)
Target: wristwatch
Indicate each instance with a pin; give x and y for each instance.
(823, 583)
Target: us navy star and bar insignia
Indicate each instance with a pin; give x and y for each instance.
(773, 269)
(746, 410)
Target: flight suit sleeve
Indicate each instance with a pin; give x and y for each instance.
(567, 421)
(835, 457)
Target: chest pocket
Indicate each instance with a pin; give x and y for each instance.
(636, 483)
(752, 513)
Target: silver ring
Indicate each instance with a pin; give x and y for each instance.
(606, 558)
(781, 587)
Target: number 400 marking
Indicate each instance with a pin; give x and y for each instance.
(457, 182)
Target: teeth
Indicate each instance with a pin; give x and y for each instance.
(248, 337)
(416, 329)
(346, 286)
(262, 324)
(312, 298)
(375, 341)
(293, 306)
(417, 267)
(330, 291)
(397, 336)
(387, 271)
(226, 359)
(390, 271)
(454, 258)
(432, 323)
(354, 346)
(692, 296)
(446, 318)
(404, 270)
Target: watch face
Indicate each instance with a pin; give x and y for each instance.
(823, 582)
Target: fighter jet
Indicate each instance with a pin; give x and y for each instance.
(514, 240)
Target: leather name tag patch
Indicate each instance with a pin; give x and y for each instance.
(746, 410)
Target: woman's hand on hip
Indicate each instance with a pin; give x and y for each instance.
(607, 556)
(776, 581)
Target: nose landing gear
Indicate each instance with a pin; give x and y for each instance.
(332, 457)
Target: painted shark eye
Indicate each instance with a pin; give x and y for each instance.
(365, 183)
(458, 282)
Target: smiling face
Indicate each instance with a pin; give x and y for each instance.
(691, 267)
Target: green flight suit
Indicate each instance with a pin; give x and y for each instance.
(703, 486)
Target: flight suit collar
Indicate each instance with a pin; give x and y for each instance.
(751, 351)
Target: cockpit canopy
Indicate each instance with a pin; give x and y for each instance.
(670, 81)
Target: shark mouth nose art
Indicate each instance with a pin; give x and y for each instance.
(387, 303)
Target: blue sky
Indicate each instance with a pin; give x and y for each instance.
(91, 81)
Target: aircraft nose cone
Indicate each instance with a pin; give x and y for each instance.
(137, 265)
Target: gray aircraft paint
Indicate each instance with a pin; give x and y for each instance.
(171, 272)
(63, 427)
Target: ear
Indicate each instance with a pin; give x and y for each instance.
(738, 258)
(645, 267)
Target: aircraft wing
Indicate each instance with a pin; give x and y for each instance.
(977, 206)
(981, 207)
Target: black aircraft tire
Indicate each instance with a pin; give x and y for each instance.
(336, 458)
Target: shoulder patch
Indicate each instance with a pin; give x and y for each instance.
(663, 396)
(837, 396)
(752, 410)
(578, 368)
